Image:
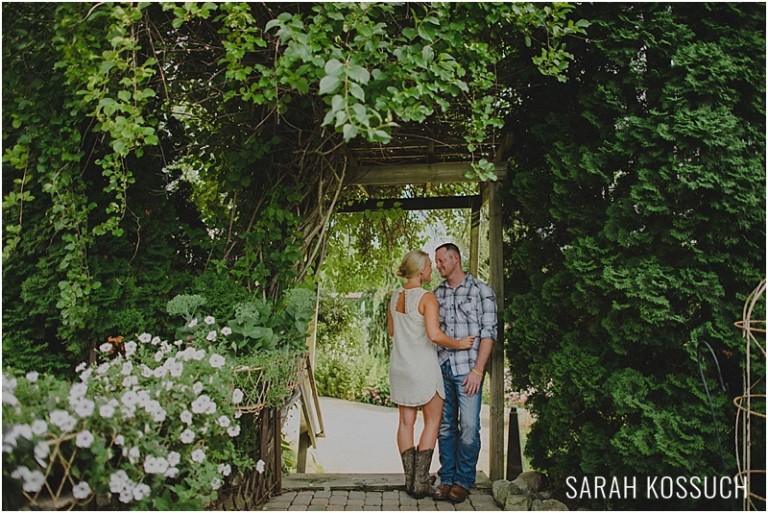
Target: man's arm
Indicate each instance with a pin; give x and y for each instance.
(488, 332)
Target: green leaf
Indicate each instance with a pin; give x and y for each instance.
(428, 53)
(329, 84)
(333, 67)
(349, 131)
(359, 74)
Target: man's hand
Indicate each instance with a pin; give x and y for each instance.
(472, 384)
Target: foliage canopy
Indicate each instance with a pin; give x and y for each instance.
(153, 149)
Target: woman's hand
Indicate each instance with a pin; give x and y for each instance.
(466, 342)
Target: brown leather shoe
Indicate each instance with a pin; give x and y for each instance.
(458, 494)
(442, 493)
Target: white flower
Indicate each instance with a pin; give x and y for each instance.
(128, 412)
(63, 420)
(174, 458)
(159, 355)
(119, 440)
(186, 417)
(176, 369)
(42, 451)
(23, 430)
(160, 372)
(171, 472)
(146, 371)
(32, 376)
(140, 491)
(126, 495)
(84, 407)
(233, 430)
(86, 374)
(224, 421)
(260, 466)
(106, 347)
(129, 398)
(77, 390)
(209, 320)
(203, 404)
(81, 367)
(178, 342)
(225, 469)
(103, 368)
(155, 465)
(237, 396)
(238, 414)
(33, 479)
(216, 483)
(81, 490)
(197, 388)
(84, 439)
(198, 455)
(226, 330)
(130, 348)
(217, 361)
(144, 338)
(130, 381)
(107, 411)
(211, 335)
(127, 368)
(118, 481)
(192, 323)
(187, 436)
(39, 427)
(155, 340)
(156, 411)
(134, 454)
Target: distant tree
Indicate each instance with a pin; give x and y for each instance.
(635, 222)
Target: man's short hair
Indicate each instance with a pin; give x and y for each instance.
(449, 246)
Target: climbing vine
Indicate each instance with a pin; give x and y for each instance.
(217, 131)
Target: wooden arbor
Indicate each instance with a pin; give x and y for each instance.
(419, 160)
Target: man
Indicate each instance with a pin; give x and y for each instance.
(467, 307)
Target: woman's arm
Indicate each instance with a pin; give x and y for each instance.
(429, 309)
(390, 323)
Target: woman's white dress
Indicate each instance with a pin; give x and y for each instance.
(414, 374)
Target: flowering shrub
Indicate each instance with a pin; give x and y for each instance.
(149, 427)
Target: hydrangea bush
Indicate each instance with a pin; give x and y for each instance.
(150, 426)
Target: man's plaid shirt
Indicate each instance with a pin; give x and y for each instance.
(469, 309)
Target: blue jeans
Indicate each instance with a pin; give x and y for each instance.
(459, 436)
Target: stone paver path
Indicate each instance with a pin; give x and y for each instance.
(391, 500)
(368, 493)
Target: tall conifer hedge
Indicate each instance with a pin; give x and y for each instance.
(635, 223)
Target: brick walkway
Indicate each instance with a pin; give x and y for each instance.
(392, 500)
(375, 494)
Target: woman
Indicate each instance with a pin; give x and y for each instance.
(414, 374)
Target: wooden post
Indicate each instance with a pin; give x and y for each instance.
(474, 238)
(496, 448)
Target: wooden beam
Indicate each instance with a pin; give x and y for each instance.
(436, 203)
(496, 444)
(474, 238)
(438, 172)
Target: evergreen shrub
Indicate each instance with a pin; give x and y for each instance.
(635, 231)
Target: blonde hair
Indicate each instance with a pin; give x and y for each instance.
(412, 264)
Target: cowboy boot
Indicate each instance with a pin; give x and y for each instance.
(422, 487)
(408, 457)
